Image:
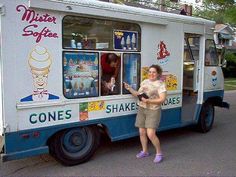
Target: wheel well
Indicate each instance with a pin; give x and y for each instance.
(215, 101)
(101, 128)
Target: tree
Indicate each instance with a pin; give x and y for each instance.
(221, 11)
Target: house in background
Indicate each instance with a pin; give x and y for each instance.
(224, 36)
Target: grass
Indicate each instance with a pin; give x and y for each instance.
(230, 83)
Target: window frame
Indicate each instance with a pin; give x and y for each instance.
(138, 43)
(215, 51)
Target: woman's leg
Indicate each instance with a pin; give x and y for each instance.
(143, 139)
(151, 133)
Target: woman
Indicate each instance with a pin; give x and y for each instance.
(151, 94)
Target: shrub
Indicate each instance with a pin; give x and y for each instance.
(230, 69)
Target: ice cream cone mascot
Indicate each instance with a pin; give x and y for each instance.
(40, 62)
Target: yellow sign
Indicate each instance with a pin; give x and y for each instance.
(96, 106)
(145, 73)
(171, 82)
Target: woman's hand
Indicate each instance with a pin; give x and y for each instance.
(145, 100)
(127, 86)
(130, 89)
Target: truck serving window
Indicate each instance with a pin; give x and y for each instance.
(211, 58)
(82, 33)
(95, 53)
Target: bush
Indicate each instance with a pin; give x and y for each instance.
(230, 69)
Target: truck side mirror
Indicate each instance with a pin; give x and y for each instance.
(223, 63)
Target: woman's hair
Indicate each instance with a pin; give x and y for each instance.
(157, 68)
(111, 57)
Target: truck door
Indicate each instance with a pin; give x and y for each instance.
(190, 75)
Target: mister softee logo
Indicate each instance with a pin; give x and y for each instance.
(33, 28)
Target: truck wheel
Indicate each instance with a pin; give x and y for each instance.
(75, 146)
(206, 118)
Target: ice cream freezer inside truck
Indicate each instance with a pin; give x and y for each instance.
(58, 90)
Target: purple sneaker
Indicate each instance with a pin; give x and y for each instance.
(158, 158)
(142, 154)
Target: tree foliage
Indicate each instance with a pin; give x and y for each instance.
(230, 70)
(221, 11)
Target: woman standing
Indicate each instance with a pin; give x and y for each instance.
(151, 94)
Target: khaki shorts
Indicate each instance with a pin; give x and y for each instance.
(147, 118)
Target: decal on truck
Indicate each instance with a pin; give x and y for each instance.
(170, 80)
(33, 29)
(214, 78)
(162, 53)
(40, 61)
(46, 117)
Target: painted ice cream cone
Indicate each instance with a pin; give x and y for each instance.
(40, 62)
(128, 42)
(39, 59)
(123, 43)
(133, 42)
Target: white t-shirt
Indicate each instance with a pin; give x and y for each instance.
(152, 89)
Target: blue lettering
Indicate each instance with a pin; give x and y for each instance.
(31, 117)
(121, 108)
(127, 106)
(178, 100)
(108, 110)
(60, 115)
(51, 116)
(42, 117)
(171, 101)
(68, 114)
(115, 108)
(133, 106)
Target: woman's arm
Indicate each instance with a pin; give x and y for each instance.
(158, 101)
(131, 90)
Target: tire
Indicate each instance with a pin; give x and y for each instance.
(74, 146)
(206, 118)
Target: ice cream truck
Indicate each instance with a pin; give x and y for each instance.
(59, 90)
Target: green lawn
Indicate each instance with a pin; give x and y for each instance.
(230, 83)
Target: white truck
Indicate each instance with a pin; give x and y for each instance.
(55, 97)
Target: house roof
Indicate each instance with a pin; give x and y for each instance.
(221, 28)
(232, 48)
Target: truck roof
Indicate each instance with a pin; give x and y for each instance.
(105, 9)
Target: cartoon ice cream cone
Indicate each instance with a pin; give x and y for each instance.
(39, 61)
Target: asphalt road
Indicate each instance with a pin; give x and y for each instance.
(187, 153)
